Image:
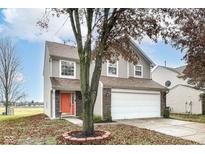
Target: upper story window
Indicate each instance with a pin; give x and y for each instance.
(138, 71)
(112, 69)
(67, 69)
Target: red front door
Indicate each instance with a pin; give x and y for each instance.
(66, 102)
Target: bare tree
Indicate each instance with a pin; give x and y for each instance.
(11, 89)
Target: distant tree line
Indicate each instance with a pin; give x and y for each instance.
(25, 104)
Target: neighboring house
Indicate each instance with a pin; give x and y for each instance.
(125, 91)
(182, 97)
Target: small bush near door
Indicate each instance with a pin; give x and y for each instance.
(167, 112)
(97, 119)
(109, 117)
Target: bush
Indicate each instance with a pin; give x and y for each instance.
(109, 117)
(167, 112)
(97, 118)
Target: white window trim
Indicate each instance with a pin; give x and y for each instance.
(66, 76)
(112, 75)
(138, 76)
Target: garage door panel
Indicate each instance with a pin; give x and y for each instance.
(135, 105)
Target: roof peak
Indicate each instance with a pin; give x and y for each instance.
(178, 70)
(63, 44)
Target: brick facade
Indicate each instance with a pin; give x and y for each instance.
(79, 106)
(57, 103)
(106, 103)
(163, 102)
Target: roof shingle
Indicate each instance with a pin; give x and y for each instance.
(62, 50)
(108, 82)
(131, 83)
(65, 84)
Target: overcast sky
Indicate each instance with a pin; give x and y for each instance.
(20, 24)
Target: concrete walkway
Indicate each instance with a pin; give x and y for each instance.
(79, 122)
(74, 120)
(183, 129)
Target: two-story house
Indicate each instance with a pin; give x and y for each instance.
(125, 90)
(182, 97)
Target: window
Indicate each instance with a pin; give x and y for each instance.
(138, 71)
(112, 69)
(67, 69)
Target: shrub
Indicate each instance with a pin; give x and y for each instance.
(167, 112)
(109, 117)
(97, 118)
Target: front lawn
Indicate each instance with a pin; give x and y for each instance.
(20, 112)
(189, 117)
(39, 130)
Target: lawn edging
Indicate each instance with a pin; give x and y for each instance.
(69, 138)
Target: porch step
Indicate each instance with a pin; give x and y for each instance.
(74, 120)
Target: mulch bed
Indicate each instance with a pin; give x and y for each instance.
(38, 130)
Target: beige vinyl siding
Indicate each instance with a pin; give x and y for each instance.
(179, 95)
(55, 68)
(123, 69)
(98, 102)
(145, 66)
(161, 75)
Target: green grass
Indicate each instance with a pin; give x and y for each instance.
(20, 112)
(188, 117)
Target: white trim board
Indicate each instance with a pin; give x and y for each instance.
(134, 91)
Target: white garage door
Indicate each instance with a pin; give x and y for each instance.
(134, 104)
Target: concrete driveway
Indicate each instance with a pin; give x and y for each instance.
(183, 129)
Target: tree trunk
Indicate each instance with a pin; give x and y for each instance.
(88, 124)
(6, 109)
(6, 103)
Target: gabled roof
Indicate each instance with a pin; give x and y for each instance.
(141, 52)
(67, 51)
(178, 70)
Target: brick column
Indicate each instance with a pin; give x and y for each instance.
(53, 104)
(106, 103)
(163, 102)
(79, 106)
(57, 102)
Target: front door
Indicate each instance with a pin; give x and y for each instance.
(66, 102)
